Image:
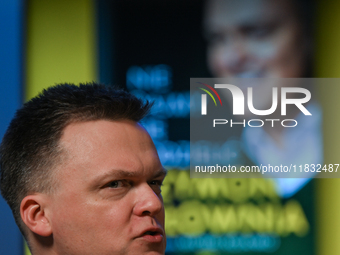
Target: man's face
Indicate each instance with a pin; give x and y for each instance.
(108, 196)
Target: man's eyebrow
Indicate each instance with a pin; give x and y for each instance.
(120, 174)
(161, 172)
(123, 173)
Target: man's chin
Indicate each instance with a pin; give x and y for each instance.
(143, 247)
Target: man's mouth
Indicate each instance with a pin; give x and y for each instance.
(151, 233)
(154, 235)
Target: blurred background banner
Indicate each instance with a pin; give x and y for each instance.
(11, 80)
(153, 48)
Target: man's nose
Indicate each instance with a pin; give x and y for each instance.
(147, 201)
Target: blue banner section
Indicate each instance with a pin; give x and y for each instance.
(228, 243)
(11, 30)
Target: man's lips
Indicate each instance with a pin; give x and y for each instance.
(153, 235)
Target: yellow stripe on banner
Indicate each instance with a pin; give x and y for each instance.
(60, 43)
(328, 65)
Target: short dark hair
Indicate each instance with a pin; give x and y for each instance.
(30, 147)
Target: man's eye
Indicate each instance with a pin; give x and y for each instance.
(115, 184)
(158, 183)
(156, 186)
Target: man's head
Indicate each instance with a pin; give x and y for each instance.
(81, 175)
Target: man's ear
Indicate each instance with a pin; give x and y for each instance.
(33, 214)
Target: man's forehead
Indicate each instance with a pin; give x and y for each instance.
(88, 133)
(110, 148)
(101, 124)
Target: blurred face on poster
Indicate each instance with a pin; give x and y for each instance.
(254, 39)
